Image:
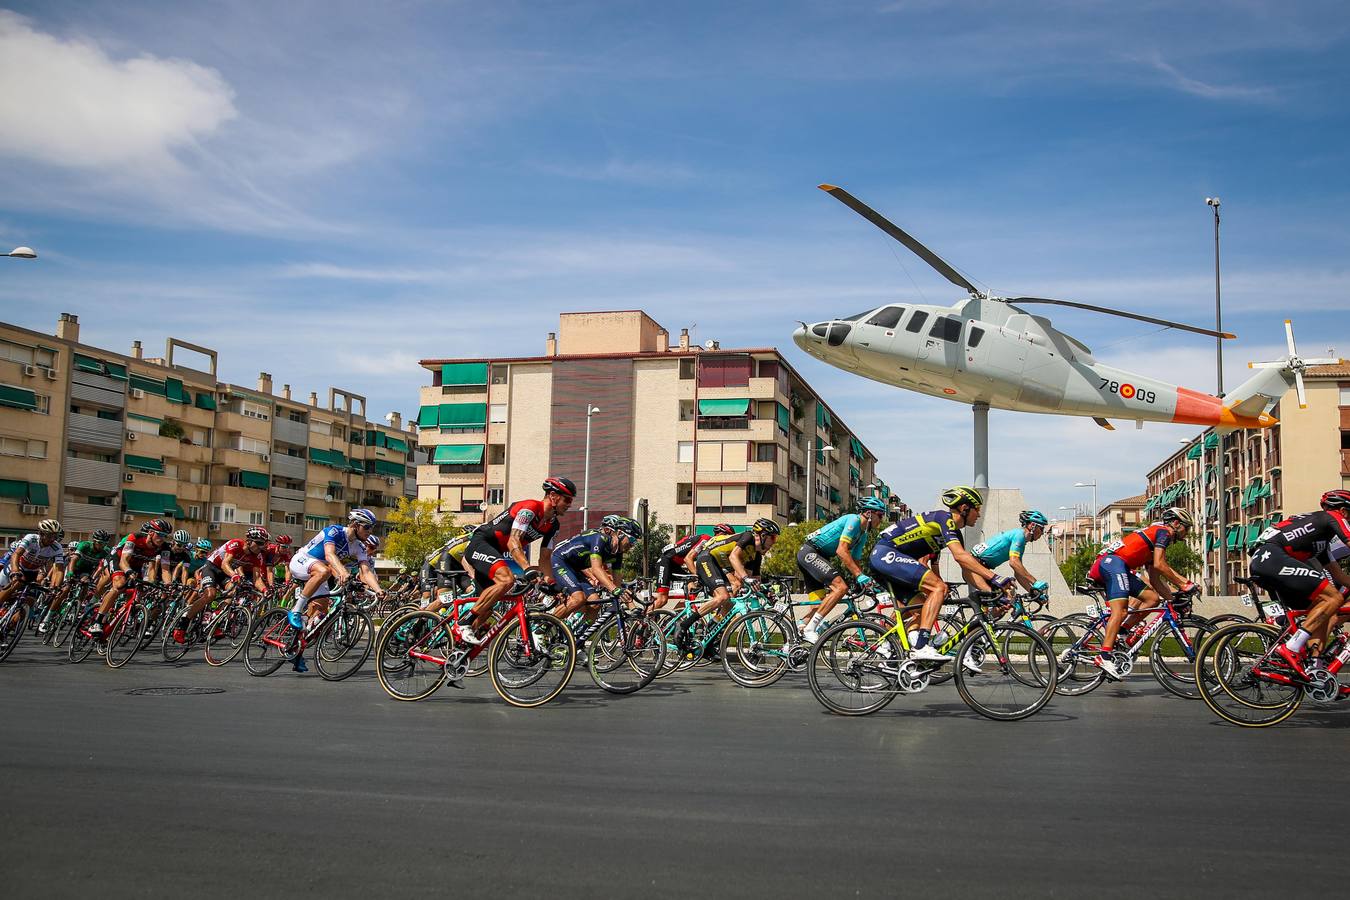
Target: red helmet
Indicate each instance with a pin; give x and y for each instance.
(1336, 500)
(283, 540)
(723, 528)
(558, 485)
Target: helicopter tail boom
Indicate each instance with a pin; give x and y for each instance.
(1247, 407)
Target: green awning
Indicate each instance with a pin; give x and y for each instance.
(37, 494)
(1211, 441)
(428, 416)
(823, 416)
(1231, 536)
(116, 370)
(385, 467)
(464, 373)
(853, 470)
(1211, 541)
(462, 415)
(145, 418)
(1252, 531)
(332, 458)
(396, 444)
(723, 407)
(173, 389)
(1194, 452)
(13, 490)
(145, 464)
(357, 466)
(784, 418)
(457, 454)
(89, 364)
(834, 495)
(257, 480)
(149, 504)
(17, 397)
(205, 401)
(149, 385)
(856, 446)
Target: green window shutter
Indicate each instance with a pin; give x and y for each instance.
(784, 418)
(723, 407)
(256, 480)
(385, 467)
(397, 444)
(457, 454)
(853, 470)
(145, 418)
(150, 504)
(1252, 531)
(173, 389)
(149, 385)
(463, 415)
(116, 370)
(1231, 537)
(1194, 452)
(857, 446)
(145, 464)
(205, 401)
(820, 414)
(834, 495)
(37, 494)
(1211, 441)
(89, 364)
(13, 490)
(17, 397)
(464, 373)
(428, 417)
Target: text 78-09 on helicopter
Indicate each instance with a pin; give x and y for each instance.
(989, 352)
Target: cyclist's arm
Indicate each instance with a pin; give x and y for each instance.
(227, 565)
(600, 572)
(335, 565)
(845, 554)
(54, 576)
(14, 560)
(1160, 567)
(124, 559)
(1024, 578)
(1337, 573)
(368, 578)
(969, 565)
(515, 548)
(738, 569)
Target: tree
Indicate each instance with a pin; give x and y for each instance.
(1183, 558)
(416, 527)
(1075, 566)
(658, 535)
(782, 559)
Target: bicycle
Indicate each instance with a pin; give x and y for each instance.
(857, 668)
(417, 653)
(227, 631)
(343, 636)
(121, 638)
(620, 641)
(14, 616)
(69, 612)
(699, 643)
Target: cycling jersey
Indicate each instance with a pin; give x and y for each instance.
(720, 547)
(173, 558)
(578, 550)
(238, 553)
(36, 555)
(847, 528)
(141, 549)
(195, 563)
(525, 516)
(337, 536)
(1136, 548)
(1001, 547)
(921, 535)
(451, 551)
(1307, 536)
(277, 555)
(685, 548)
(87, 558)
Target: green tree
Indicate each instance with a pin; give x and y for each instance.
(1184, 558)
(1075, 566)
(416, 527)
(658, 535)
(782, 559)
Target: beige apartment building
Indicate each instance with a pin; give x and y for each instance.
(1268, 473)
(707, 435)
(99, 439)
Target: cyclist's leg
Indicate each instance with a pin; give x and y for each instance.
(491, 576)
(823, 582)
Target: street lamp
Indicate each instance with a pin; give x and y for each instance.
(811, 449)
(22, 253)
(1092, 484)
(586, 478)
(1220, 520)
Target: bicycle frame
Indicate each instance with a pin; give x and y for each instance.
(1135, 639)
(516, 612)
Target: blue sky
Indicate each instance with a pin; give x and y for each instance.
(330, 195)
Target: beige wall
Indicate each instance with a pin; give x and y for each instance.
(528, 429)
(606, 332)
(1310, 445)
(656, 436)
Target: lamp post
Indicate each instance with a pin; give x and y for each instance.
(1092, 484)
(811, 449)
(21, 253)
(1222, 498)
(586, 478)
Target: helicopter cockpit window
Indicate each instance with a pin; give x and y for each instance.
(888, 317)
(974, 336)
(946, 328)
(915, 323)
(838, 332)
(820, 330)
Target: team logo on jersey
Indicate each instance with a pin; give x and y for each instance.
(1127, 391)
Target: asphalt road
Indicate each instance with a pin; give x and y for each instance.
(290, 785)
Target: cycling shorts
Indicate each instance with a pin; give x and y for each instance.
(667, 566)
(211, 575)
(709, 573)
(570, 580)
(817, 570)
(1294, 582)
(903, 573)
(1113, 573)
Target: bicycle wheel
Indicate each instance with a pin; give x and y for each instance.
(531, 669)
(227, 634)
(345, 644)
(1229, 619)
(1074, 642)
(1008, 675)
(755, 648)
(12, 628)
(411, 653)
(665, 620)
(1228, 666)
(171, 650)
(853, 668)
(124, 638)
(1171, 656)
(81, 644)
(268, 639)
(65, 627)
(625, 653)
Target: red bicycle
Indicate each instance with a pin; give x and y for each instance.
(121, 638)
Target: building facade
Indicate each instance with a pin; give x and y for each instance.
(706, 435)
(99, 439)
(1268, 473)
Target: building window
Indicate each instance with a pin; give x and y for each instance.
(253, 410)
(499, 374)
(316, 427)
(21, 353)
(194, 512)
(255, 518)
(724, 371)
(685, 452)
(496, 495)
(250, 445)
(1345, 395)
(686, 410)
(142, 426)
(718, 456)
(766, 453)
(915, 323)
(221, 513)
(687, 368)
(339, 432)
(10, 446)
(684, 493)
(497, 414)
(721, 498)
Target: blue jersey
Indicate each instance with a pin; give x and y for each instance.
(921, 535)
(578, 550)
(337, 536)
(1001, 547)
(848, 528)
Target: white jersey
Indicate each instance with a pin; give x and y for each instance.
(35, 555)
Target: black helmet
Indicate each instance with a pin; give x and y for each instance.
(559, 485)
(765, 526)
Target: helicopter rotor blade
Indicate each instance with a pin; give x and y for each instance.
(1125, 315)
(1298, 388)
(1289, 337)
(886, 225)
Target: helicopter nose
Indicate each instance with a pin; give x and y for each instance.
(799, 337)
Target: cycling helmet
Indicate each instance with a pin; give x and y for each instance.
(100, 536)
(954, 496)
(203, 544)
(871, 503)
(612, 522)
(629, 528)
(723, 528)
(362, 516)
(157, 526)
(372, 542)
(558, 485)
(1336, 500)
(70, 547)
(258, 534)
(283, 540)
(51, 526)
(1033, 517)
(182, 537)
(468, 529)
(765, 526)
(1177, 514)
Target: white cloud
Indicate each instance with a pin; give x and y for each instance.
(1194, 86)
(67, 103)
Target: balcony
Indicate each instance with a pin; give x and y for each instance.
(82, 518)
(712, 428)
(97, 389)
(91, 431)
(285, 500)
(296, 433)
(93, 475)
(289, 466)
(231, 458)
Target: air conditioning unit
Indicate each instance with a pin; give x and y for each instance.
(137, 394)
(267, 457)
(51, 374)
(391, 481)
(28, 509)
(214, 526)
(128, 477)
(126, 518)
(328, 498)
(131, 435)
(30, 370)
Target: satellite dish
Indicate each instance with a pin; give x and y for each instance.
(710, 344)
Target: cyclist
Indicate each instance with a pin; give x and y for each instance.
(227, 563)
(507, 535)
(845, 539)
(134, 553)
(83, 561)
(906, 556)
(585, 562)
(1292, 559)
(320, 565)
(173, 559)
(723, 564)
(32, 557)
(1008, 546)
(444, 568)
(200, 553)
(276, 557)
(1114, 568)
(680, 555)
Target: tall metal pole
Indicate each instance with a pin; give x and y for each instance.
(586, 478)
(981, 411)
(810, 488)
(1221, 496)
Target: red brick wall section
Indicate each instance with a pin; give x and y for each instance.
(608, 384)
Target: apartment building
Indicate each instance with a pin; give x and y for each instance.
(99, 439)
(1268, 473)
(706, 434)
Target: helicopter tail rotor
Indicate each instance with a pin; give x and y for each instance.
(1293, 365)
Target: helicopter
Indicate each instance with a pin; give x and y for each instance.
(989, 352)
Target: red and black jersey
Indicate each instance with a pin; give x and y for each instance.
(1307, 536)
(276, 554)
(141, 549)
(687, 547)
(1136, 548)
(526, 516)
(238, 553)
